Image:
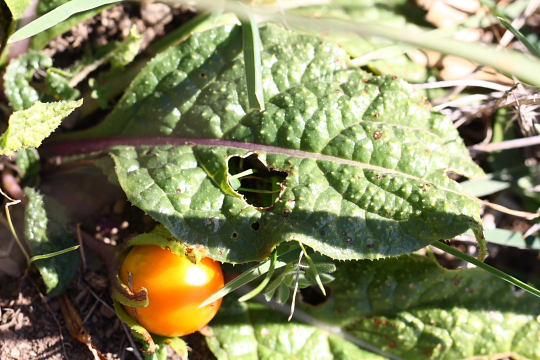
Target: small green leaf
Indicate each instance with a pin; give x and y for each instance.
(127, 49)
(29, 166)
(18, 74)
(28, 128)
(17, 7)
(46, 233)
(55, 16)
(58, 86)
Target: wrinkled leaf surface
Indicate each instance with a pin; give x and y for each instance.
(366, 157)
(27, 128)
(407, 306)
(46, 232)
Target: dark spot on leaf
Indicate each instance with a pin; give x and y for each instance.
(178, 191)
(370, 246)
(234, 235)
(323, 232)
(203, 75)
(312, 295)
(231, 217)
(376, 322)
(338, 91)
(378, 177)
(428, 352)
(388, 213)
(366, 80)
(392, 345)
(344, 233)
(377, 115)
(377, 134)
(255, 226)
(350, 240)
(286, 212)
(424, 190)
(394, 77)
(167, 248)
(366, 91)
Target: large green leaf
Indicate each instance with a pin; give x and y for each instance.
(412, 307)
(408, 306)
(27, 128)
(366, 157)
(46, 232)
(250, 331)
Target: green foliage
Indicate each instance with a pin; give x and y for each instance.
(366, 158)
(46, 232)
(407, 306)
(18, 74)
(58, 86)
(28, 128)
(247, 331)
(29, 166)
(17, 7)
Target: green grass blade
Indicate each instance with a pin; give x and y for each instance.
(313, 270)
(266, 280)
(252, 62)
(56, 16)
(512, 280)
(56, 253)
(520, 37)
(252, 274)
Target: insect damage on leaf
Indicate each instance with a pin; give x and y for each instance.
(259, 185)
(361, 159)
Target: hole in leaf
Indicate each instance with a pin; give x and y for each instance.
(234, 235)
(312, 295)
(251, 178)
(255, 226)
